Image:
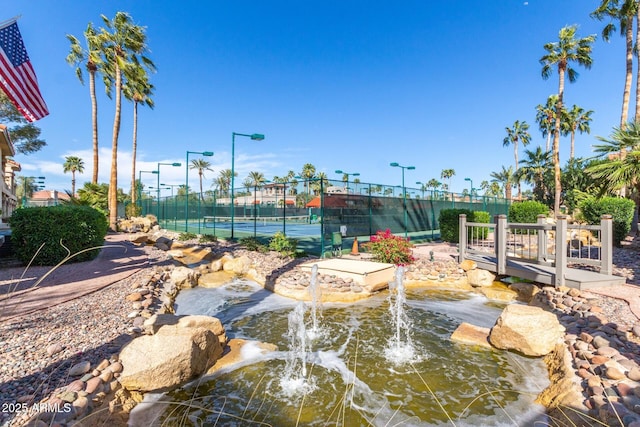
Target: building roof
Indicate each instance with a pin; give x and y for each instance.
(49, 195)
(6, 146)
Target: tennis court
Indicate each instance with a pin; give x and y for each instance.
(292, 226)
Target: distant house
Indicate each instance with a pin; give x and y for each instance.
(9, 169)
(47, 198)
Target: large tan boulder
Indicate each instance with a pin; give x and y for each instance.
(172, 356)
(184, 277)
(526, 291)
(527, 330)
(470, 334)
(156, 322)
(478, 277)
(239, 265)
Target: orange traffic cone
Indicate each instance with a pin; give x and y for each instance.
(354, 249)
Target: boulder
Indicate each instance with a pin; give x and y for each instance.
(468, 265)
(156, 322)
(478, 277)
(467, 333)
(175, 354)
(526, 291)
(527, 330)
(498, 293)
(238, 265)
(184, 277)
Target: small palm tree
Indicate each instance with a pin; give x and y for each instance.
(73, 164)
(535, 168)
(546, 118)
(200, 165)
(224, 181)
(448, 174)
(561, 54)
(505, 178)
(518, 133)
(308, 172)
(577, 119)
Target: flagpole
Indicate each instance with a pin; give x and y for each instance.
(10, 21)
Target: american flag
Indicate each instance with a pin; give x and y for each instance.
(17, 78)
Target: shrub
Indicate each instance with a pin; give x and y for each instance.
(187, 236)
(484, 218)
(208, 238)
(450, 223)
(74, 226)
(620, 209)
(281, 243)
(253, 244)
(527, 211)
(132, 210)
(389, 248)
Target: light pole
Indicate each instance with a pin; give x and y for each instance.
(470, 189)
(254, 137)
(186, 186)
(348, 175)
(422, 187)
(31, 184)
(404, 192)
(140, 184)
(158, 186)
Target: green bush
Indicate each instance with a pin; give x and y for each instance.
(253, 244)
(389, 248)
(620, 209)
(484, 218)
(187, 235)
(208, 238)
(450, 223)
(132, 210)
(75, 227)
(527, 212)
(281, 243)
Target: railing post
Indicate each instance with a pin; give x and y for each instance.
(542, 239)
(561, 249)
(462, 236)
(606, 244)
(501, 244)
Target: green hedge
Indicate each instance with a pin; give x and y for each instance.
(527, 212)
(620, 209)
(76, 227)
(483, 217)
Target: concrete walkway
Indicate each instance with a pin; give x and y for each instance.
(25, 293)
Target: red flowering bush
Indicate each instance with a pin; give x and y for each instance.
(388, 248)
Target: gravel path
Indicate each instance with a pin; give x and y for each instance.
(39, 348)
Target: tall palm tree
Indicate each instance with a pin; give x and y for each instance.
(561, 54)
(73, 164)
(546, 118)
(200, 165)
(93, 61)
(321, 181)
(622, 11)
(123, 46)
(448, 174)
(138, 90)
(577, 119)
(505, 178)
(518, 133)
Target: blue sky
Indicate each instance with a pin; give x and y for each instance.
(350, 85)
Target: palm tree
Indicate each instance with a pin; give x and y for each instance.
(448, 174)
(505, 178)
(93, 61)
(73, 164)
(561, 54)
(577, 119)
(518, 133)
(201, 165)
(308, 172)
(123, 44)
(321, 182)
(535, 168)
(619, 171)
(624, 12)
(546, 118)
(138, 90)
(224, 181)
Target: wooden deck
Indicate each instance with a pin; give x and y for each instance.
(574, 277)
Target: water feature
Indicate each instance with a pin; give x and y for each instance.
(314, 290)
(354, 382)
(400, 348)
